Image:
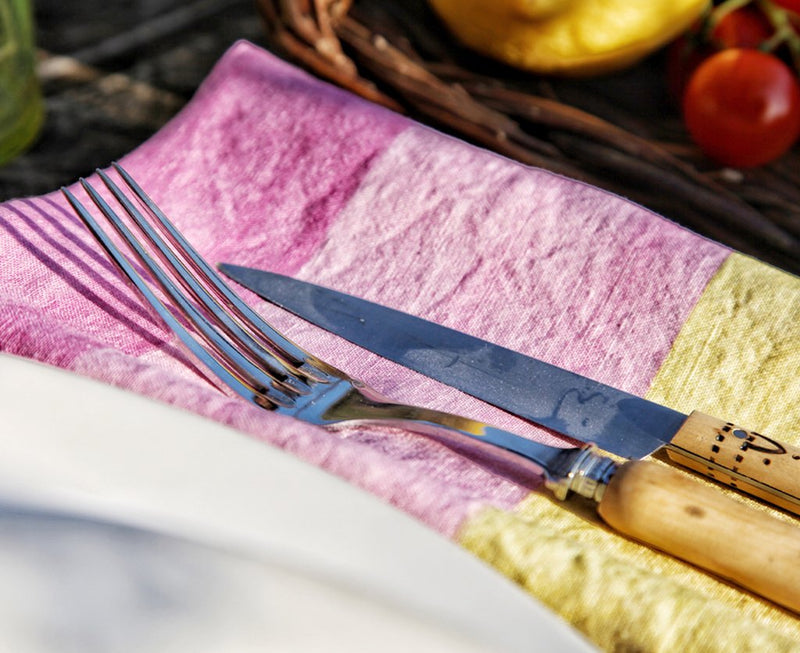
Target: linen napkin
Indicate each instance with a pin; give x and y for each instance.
(268, 167)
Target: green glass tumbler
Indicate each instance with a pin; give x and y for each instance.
(21, 106)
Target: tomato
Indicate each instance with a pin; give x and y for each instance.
(791, 5)
(742, 107)
(746, 27)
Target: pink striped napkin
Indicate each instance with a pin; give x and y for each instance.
(271, 168)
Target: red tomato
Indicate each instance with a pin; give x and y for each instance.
(791, 5)
(742, 107)
(746, 27)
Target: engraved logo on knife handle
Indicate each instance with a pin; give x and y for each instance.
(744, 460)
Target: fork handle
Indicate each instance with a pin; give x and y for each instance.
(668, 510)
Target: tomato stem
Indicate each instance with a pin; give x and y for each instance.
(785, 32)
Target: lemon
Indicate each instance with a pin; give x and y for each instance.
(568, 37)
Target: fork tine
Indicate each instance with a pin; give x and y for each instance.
(247, 324)
(236, 372)
(257, 362)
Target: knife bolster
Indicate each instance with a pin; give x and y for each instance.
(585, 473)
(745, 460)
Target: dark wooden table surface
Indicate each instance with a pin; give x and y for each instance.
(114, 71)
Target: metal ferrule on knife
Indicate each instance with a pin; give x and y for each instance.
(584, 472)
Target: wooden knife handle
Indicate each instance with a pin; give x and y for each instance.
(745, 460)
(669, 511)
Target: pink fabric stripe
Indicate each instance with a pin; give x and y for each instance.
(262, 161)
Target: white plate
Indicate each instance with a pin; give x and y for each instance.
(294, 559)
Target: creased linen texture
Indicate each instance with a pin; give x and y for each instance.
(270, 168)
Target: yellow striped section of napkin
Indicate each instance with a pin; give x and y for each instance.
(738, 354)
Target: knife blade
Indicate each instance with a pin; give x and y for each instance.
(558, 399)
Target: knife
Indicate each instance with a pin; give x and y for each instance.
(555, 398)
(640, 499)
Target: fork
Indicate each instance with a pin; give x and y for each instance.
(643, 500)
